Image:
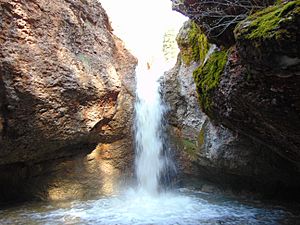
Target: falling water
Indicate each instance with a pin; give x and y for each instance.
(147, 205)
(148, 136)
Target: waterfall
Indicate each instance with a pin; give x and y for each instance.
(150, 160)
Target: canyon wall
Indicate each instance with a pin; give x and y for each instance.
(67, 85)
(247, 128)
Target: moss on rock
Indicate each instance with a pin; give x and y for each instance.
(201, 137)
(190, 148)
(269, 36)
(207, 77)
(269, 22)
(192, 42)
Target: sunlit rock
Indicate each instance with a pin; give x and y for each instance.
(66, 85)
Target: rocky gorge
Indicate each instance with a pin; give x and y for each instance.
(67, 91)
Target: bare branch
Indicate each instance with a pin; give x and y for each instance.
(216, 16)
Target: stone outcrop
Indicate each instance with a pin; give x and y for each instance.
(242, 155)
(257, 93)
(252, 86)
(66, 85)
(218, 18)
(212, 153)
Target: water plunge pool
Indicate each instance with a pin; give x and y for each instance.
(182, 206)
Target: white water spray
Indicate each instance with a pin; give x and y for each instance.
(148, 120)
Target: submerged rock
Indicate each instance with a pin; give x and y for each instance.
(66, 85)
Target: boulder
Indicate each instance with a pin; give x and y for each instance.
(66, 85)
(206, 143)
(257, 93)
(214, 154)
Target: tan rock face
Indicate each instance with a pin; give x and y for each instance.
(66, 82)
(62, 72)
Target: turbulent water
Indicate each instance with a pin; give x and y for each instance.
(149, 112)
(152, 158)
(185, 206)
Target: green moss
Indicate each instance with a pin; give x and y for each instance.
(267, 23)
(207, 77)
(194, 46)
(201, 137)
(190, 148)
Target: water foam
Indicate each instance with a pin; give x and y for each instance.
(136, 208)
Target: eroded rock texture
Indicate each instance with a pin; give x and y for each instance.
(252, 87)
(258, 93)
(248, 136)
(66, 83)
(214, 154)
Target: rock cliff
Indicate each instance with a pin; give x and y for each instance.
(256, 92)
(66, 85)
(247, 88)
(214, 154)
